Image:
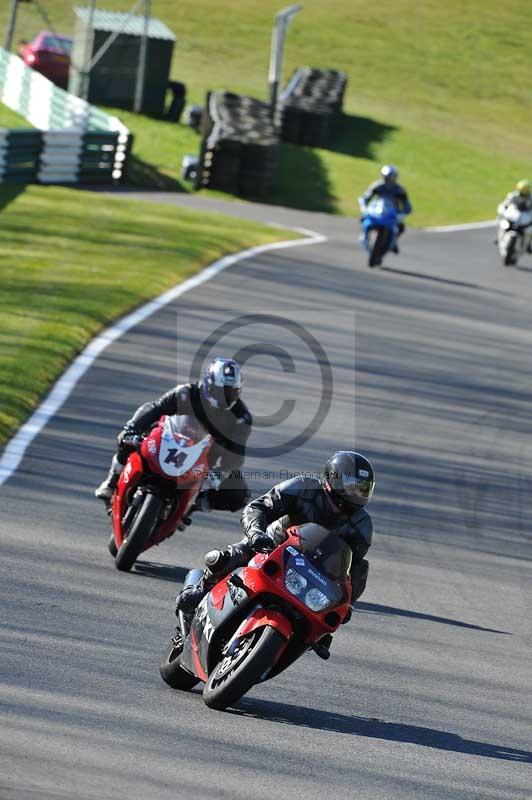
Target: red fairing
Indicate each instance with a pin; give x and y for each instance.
(262, 617)
(218, 593)
(271, 581)
(127, 484)
(277, 592)
(150, 450)
(173, 460)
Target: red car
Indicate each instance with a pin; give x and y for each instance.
(49, 54)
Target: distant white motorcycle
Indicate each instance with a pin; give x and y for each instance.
(514, 233)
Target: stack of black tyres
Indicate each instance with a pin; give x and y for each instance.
(239, 147)
(311, 104)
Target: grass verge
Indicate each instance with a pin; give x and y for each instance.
(437, 88)
(67, 269)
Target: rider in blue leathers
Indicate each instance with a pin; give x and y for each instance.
(389, 188)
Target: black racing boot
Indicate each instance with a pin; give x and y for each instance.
(107, 488)
(190, 597)
(321, 648)
(201, 503)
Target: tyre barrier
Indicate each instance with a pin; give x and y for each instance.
(20, 153)
(240, 145)
(72, 142)
(311, 104)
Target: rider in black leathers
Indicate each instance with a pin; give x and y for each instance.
(335, 501)
(215, 402)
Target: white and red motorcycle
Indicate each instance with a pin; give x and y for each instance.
(161, 480)
(514, 233)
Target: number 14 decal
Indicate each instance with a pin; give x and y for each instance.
(175, 457)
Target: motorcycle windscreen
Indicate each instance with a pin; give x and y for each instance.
(182, 444)
(306, 580)
(382, 210)
(186, 425)
(326, 549)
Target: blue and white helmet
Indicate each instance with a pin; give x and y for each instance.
(389, 172)
(221, 383)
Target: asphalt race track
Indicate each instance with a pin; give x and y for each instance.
(427, 694)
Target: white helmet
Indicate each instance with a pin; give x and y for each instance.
(221, 383)
(389, 171)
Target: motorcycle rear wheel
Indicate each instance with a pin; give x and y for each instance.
(171, 670)
(140, 531)
(229, 682)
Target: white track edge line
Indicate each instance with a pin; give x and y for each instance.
(61, 390)
(466, 226)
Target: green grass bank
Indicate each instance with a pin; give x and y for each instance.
(438, 88)
(67, 270)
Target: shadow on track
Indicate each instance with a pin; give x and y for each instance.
(376, 729)
(436, 279)
(162, 572)
(375, 608)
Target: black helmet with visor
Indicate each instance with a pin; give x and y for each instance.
(349, 479)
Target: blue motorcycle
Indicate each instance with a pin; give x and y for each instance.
(380, 226)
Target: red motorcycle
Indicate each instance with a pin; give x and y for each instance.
(260, 618)
(158, 485)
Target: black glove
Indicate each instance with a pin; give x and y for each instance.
(262, 543)
(129, 436)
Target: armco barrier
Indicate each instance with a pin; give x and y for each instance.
(76, 143)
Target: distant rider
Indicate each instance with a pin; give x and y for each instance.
(337, 500)
(388, 187)
(521, 198)
(215, 402)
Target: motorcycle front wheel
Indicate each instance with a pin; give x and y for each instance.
(251, 661)
(138, 534)
(509, 258)
(378, 245)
